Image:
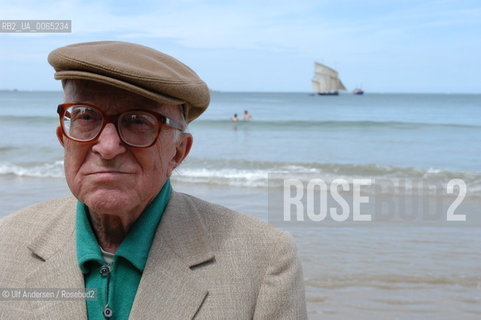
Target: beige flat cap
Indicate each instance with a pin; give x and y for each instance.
(134, 68)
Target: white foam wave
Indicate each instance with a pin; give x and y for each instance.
(46, 170)
(232, 177)
(428, 183)
(263, 175)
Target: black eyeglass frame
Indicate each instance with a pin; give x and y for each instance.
(163, 120)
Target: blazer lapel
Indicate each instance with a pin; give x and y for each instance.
(169, 288)
(55, 247)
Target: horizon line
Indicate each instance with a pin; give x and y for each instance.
(262, 91)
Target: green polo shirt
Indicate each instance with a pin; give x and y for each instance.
(117, 283)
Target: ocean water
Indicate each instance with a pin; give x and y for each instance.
(375, 271)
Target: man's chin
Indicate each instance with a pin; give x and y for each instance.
(108, 202)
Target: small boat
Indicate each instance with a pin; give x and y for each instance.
(326, 81)
(358, 92)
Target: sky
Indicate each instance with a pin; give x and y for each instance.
(255, 45)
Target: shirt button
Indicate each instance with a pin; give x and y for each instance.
(107, 312)
(104, 270)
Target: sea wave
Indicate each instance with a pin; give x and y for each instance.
(263, 174)
(45, 170)
(272, 124)
(309, 124)
(20, 119)
(6, 148)
(393, 281)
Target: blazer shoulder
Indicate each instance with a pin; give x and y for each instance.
(29, 220)
(221, 221)
(31, 235)
(209, 211)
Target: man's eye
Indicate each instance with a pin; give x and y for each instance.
(139, 122)
(85, 115)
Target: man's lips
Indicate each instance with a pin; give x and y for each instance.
(108, 172)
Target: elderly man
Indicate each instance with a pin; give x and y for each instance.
(150, 252)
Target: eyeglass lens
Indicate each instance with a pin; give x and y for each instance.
(136, 128)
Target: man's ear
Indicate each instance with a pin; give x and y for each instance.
(182, 149)
(60, 136)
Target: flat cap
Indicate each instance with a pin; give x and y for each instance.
(134, 68)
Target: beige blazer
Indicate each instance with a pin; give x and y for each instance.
(206, 262)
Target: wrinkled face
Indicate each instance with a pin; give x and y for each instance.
(109, 176)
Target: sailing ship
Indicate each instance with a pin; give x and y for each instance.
(326, 81)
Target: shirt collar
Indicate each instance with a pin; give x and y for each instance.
(135, 247)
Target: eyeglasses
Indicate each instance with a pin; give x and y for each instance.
(83, 122)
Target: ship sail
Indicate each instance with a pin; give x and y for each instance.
(326, 80)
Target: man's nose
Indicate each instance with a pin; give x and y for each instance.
(109, 145)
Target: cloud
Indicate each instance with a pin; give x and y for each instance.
(354, 36)
(303, 26)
